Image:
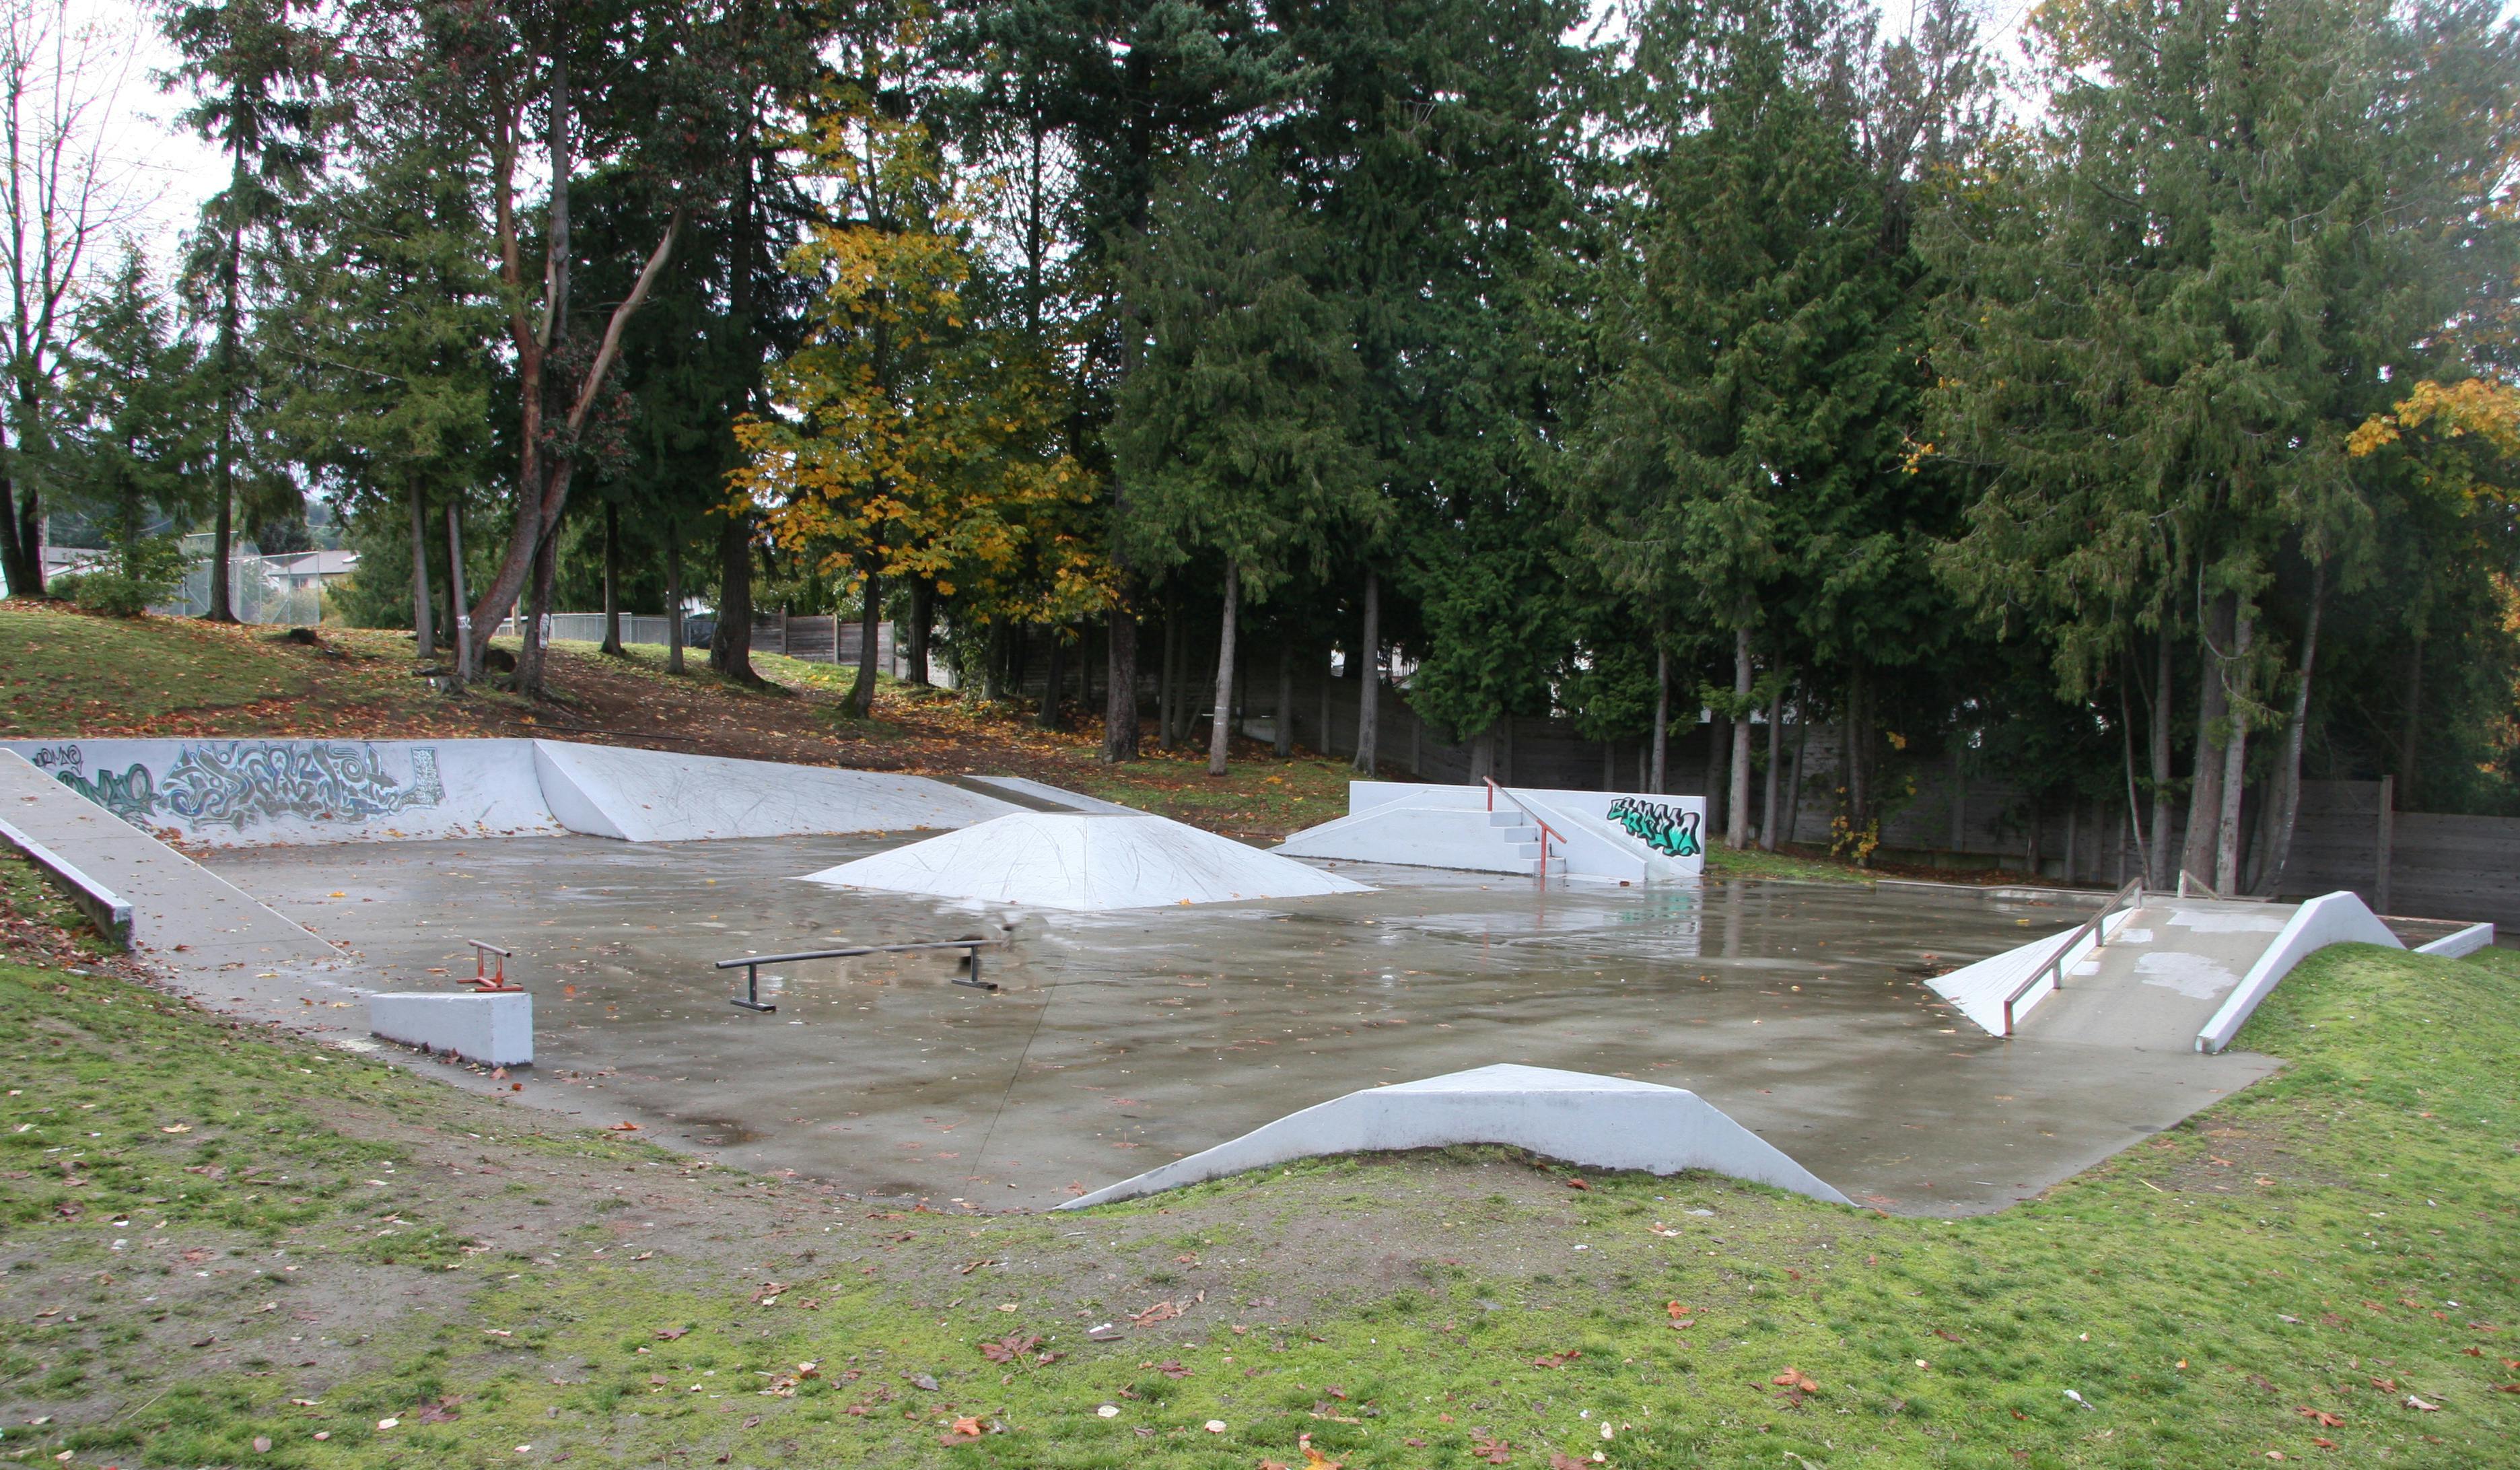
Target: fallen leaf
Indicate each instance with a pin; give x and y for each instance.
(1161, 1312)
(668, 1334)
(1573, 1183)
(2415, 1402)
(625, 1128)
(1171, 1369)
(967, 1425)
(1558, 1459)
(1494, 1451)
(1556, 1360)
(2321, 1418)
(262, 1443)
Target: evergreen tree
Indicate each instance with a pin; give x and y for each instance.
(255, 76)
(2175, 302)
(131, 421)
(1237, 430)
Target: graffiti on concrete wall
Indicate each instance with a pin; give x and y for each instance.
(1670, 831)
(236, 782)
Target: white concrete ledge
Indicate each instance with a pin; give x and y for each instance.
(105, 908)
(2339, 917)
(495, 1029)
(1599, 1122)
(2459, 945)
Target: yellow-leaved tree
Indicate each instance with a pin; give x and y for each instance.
(907, 443)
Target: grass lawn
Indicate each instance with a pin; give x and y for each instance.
(227, 1246)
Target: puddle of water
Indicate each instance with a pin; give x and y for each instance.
(1124, 1039)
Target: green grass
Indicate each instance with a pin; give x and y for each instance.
(72, 673)
(2295, 1252)
(1723, 861)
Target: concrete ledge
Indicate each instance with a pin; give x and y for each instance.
(1599, 1122)
(103, 907)
(496, 1030)
(2339, 917)
(2459, 945)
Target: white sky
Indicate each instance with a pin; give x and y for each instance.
(175, 170)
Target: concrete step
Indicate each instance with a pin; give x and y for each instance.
(1508, 819)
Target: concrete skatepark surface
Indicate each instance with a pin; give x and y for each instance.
(1131, 1037)
(1079, 861)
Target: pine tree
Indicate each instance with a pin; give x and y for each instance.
(1237, 430)
(133, 411)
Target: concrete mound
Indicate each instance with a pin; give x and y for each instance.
(1085, 861)
(1581, 1117)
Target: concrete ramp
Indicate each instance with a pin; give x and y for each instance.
(1611, 836)
(173, 900)
(2174, 974)
(274, 792)
(1597, 1122)
(658, 796)
(1080, 862)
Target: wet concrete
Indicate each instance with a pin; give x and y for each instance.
(1128, 1039)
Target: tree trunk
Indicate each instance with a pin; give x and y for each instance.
(1483, 754)
(1776, 753)
(2235, 759)
(1857, 753)
(424, 631)
(1737, 800)
(1795, 786)
(923, 616)
(2411, 740)
(1219, 733)
(673, 599)
(2278, 853)
(1283, 722)
(2213, 703)
(612, 579)
(223, 455)
(731, 646)
(531, 661)
(859, 702)
(2157, 856)
(1368, 698)
(2125, 745)
(1053, 684)
(464, 664)
(1168, 677)
(1662, 717)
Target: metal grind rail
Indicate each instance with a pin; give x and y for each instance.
(1547, 832)
(2054, 965)
(751, 965)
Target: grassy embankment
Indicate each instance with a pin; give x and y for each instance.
(223, 1246)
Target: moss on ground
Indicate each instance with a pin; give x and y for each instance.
(2327, 1257)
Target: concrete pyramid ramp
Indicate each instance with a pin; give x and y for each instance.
(1085, 861)
(659, 796)
(1599, 1122)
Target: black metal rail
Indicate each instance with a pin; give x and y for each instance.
(751, 965)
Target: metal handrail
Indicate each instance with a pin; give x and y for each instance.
(751, 965)
(1538, 821)
(484, 979)
(2055, 964)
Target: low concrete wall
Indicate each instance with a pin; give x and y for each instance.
(266, 792)
(103, 907)
(496, 1030)
(2335, 919)
(2459, 946)
(1599, 1122)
